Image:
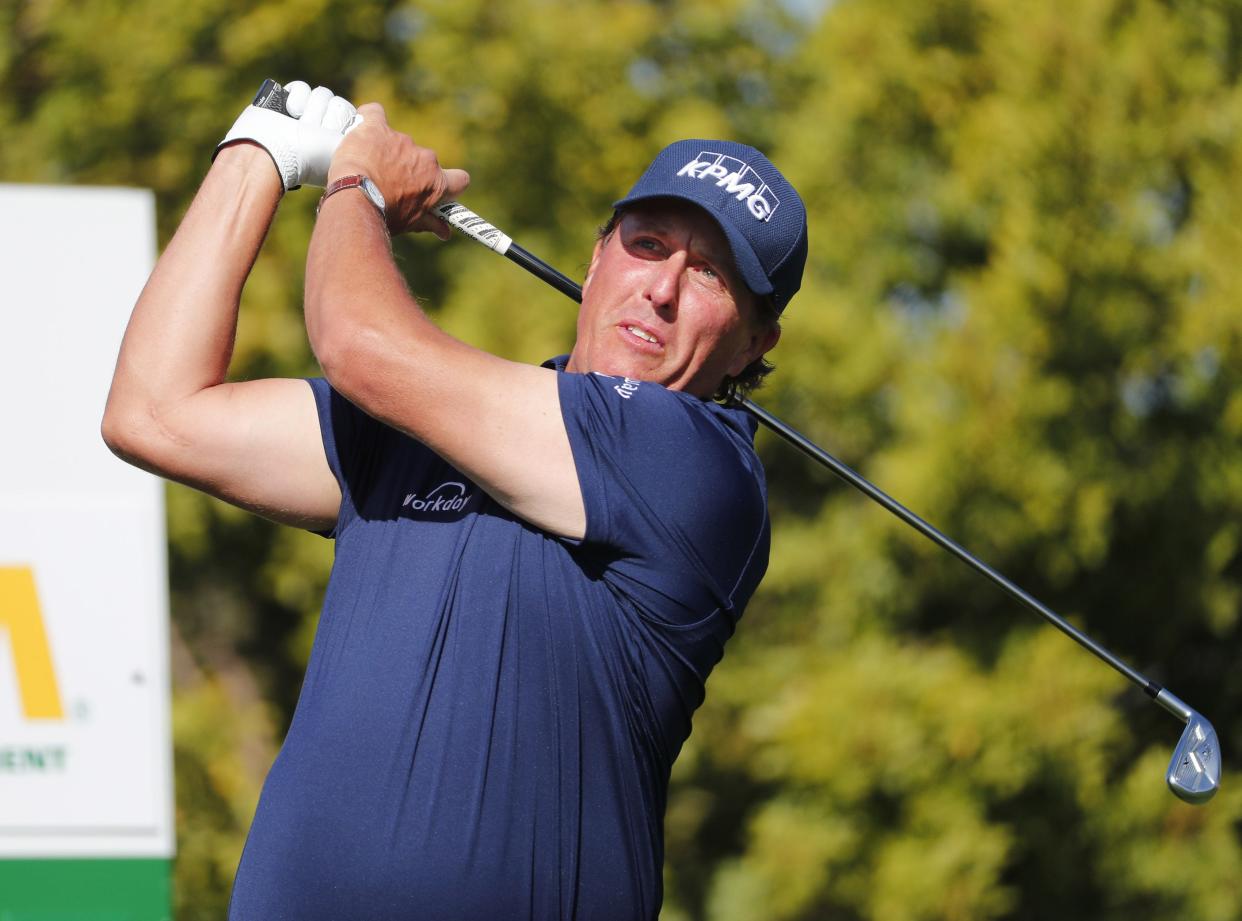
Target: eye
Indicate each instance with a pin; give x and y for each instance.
(710, 275)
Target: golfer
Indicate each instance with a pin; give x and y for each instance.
(536, 567)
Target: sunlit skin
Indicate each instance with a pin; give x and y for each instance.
(666, 274)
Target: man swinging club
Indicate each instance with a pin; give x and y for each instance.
(536, 567)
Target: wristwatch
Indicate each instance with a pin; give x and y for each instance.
(369, 188)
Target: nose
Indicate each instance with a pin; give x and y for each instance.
(664, 282)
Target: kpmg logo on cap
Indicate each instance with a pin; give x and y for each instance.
(737, 179)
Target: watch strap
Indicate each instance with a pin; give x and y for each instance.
(347, 182)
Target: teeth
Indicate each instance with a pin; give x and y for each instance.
(643, 334)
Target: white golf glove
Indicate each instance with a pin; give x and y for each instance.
(302, 142)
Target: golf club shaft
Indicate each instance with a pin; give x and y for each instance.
(1162, 695)
(473, 226)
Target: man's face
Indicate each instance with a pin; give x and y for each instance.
(662, 302)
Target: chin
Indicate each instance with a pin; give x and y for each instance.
(629, 366)
(637, 368)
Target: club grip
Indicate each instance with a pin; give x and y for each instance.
(272, 95)
(462, 218)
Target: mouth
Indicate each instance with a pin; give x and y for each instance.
(640, 336)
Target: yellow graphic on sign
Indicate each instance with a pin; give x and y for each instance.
(19, 611)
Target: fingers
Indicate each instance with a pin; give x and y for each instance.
(317, 105)
(320, 107)
(431, 224)
(339, 114)
(456, 181)
(299, 92)
(452, 182)
(373, 111)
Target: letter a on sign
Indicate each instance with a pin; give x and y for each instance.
(19, 612)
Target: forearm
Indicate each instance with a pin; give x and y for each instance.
(348, 265)
(364, 326)
(372, 341)
(180, 336)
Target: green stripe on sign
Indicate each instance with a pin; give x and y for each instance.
(85, 890)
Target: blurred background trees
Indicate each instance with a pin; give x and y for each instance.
(1022, 316)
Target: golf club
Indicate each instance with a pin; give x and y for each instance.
(1194, 770)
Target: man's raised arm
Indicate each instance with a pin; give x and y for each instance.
(497, 421)
(255, 444)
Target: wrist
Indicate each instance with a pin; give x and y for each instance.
(363, 185)
(248, 157)
(246, 165)
(339, 170)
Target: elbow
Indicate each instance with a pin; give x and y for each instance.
(328, 335)
(127, 431)
(120, 432)
(113, 427)
(331, 346)
(352, 357)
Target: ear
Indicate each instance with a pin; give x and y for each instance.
(599, 244)
(761, 342)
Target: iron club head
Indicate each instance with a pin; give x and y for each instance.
(1194, 772)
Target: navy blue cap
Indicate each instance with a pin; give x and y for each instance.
(760, 213)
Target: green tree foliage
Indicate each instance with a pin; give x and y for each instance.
(1026, 327)
(1021, 317)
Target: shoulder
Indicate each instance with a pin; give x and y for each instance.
(673, 442)
(650, 412)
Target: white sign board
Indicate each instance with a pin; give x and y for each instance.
(85, 747)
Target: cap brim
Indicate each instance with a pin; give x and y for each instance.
(744, 258)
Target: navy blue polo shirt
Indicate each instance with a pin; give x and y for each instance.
(490, 712)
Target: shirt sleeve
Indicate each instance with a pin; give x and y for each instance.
(674, 497)
(350, 440)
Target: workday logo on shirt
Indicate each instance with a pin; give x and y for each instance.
(626, 389)
(446, 498)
